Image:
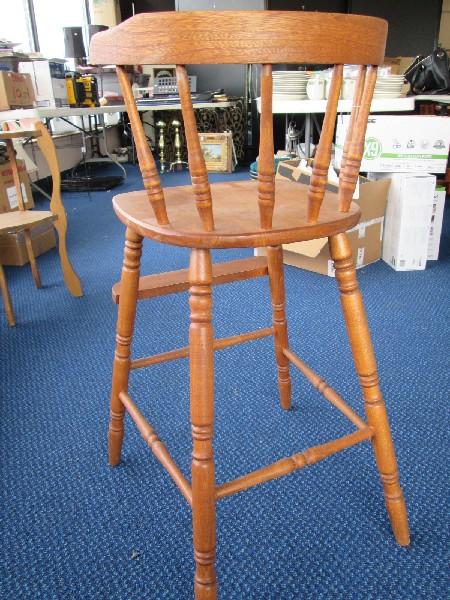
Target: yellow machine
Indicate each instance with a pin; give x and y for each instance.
(82, 90)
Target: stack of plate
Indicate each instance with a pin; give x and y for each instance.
(388, 86)
(289, 85)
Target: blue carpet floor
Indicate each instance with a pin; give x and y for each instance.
(73, 528)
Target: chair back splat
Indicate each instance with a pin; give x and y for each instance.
(197, 166)
(147, 164)
(247, 37)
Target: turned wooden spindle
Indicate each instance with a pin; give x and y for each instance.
(124, 333)
(366, 367)
(321, 163)
(147, 164)
(196, 160)
(357, 95)
(266, 163)
(278, 298)
(201, 359)
(348, 176)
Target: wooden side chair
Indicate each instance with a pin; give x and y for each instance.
(245, 214)
(24, 220)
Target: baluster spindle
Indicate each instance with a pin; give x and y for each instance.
(322, 159)
(197, 166)
(357, 95)
(349, 174)
(266, 165)
(147, 165)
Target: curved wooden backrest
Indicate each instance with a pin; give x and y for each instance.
(246, 37)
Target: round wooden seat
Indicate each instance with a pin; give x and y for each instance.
(236, 216)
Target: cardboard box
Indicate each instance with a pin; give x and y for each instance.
(12, 245)
(437, 217)
(365, 238)
(398, 64)
(400, 143)
(16, 90)
(48, 81)
(8, 192)
(408, 218)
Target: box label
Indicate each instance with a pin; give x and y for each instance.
(12, 196)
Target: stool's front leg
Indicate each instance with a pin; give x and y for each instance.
(124, 333)
(201, 357)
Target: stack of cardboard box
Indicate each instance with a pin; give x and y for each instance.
(12, 245)
(365, 238)
(406, 149)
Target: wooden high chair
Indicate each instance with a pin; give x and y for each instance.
(23, 220)
(240, 215)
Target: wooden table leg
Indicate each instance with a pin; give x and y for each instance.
(47, 148)
(201, 358)
(365, 363)
(6, 298)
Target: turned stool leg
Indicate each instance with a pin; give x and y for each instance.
(32, 259)
(6, 298)
(124, 333)
(364, 358)
(278, 297)
(201, 358)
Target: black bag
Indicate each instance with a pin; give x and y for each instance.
(430, 74)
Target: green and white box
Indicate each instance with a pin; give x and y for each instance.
(436, 223)
(400, 143)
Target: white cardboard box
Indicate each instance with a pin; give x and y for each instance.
(436, 223)
(400, 143)
(407, 220)
(48, 90)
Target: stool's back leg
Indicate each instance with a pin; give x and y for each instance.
(278, 297)
(201, 358)
(365, 363)
(124, 333)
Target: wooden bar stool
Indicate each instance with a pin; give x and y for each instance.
(24, 220)
(245, 214)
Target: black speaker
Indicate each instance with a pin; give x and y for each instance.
(73, 42)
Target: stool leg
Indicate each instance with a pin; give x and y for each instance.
(201, 358)
(6, 298)
(32, 258)
(278, 297)
(124, 333)
(365, 363)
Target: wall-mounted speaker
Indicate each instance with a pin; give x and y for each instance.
(73, 42)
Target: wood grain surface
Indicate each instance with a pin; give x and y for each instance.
(242, 37)
(236, 216)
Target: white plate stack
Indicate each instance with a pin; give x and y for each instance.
(388, 86)
(289, 85)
